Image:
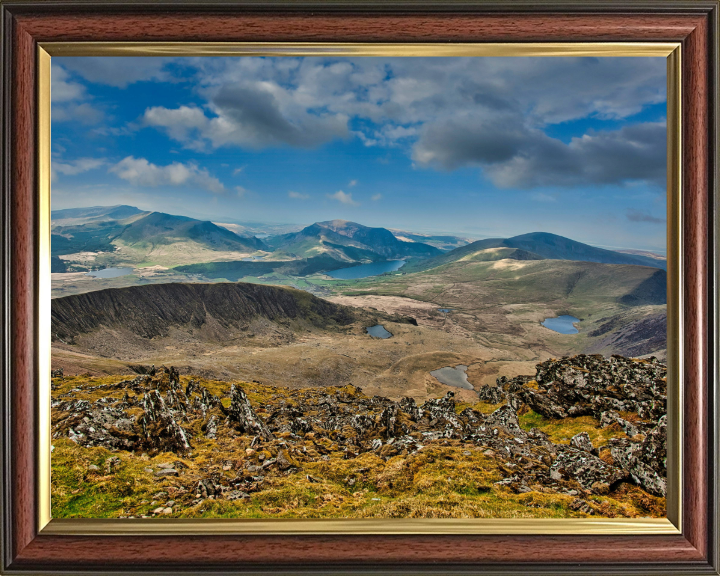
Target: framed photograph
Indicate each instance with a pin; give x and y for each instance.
(359, 289)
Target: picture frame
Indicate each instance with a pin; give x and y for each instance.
(31, 546)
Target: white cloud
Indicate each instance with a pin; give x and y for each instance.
(120, 71)
(181, 124)
(405, 93)
(446, 112)
(344, 198)
(241, 191)
(297, 195)
(515, 155)
(62, 89)
(69, 100)
(77, 166)
(249, 115)
(238, 170)
(352, 183)
(84, 113)
(376, 197)
(140, 172)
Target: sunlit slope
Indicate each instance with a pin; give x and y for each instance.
(538, 245)
(621, 307)
(507, 281)
(345, 240)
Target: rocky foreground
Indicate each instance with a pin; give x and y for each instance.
(583, 436)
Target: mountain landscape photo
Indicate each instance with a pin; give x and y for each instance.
(364, 300)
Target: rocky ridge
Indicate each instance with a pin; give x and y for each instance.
(156, 413)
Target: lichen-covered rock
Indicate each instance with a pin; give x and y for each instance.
(644, 469)
(208, 487)
(155, 413)
(211, 428)
(160, 427)
(242, 415)
(653, 450)
(491, 394)
(581, 441)
(506, 417)
(413, 411)
(610, 417)
(585, 468)
(544, 404)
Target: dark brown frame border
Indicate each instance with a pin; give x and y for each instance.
(694, 23)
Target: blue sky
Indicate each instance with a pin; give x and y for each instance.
(476, 147)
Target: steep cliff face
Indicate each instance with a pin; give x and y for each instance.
(151, 311)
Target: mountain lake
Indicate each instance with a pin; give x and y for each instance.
(109, 272)
(562, 324)
(453, 376)
(378, 331)
(366, 270)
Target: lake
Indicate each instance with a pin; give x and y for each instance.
(109, 272)
(378, 331)
(453, 376)
(445, 310)
(366, 270)
(562, 324)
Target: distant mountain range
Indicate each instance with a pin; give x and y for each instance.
(349, 241)
(76, 216)
(323, 245)
(98, 228)
(535, 246)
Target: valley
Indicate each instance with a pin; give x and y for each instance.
(335, 412)
(496, 292)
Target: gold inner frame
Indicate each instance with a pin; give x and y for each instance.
(586, 526)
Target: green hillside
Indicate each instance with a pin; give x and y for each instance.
(540, 245)
(349, 240)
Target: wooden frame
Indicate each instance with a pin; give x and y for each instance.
(692, 23)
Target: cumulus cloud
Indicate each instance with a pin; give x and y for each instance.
(514, 155)
(447, 113)
(352, 183)
(77, 166)
(69, 100)
(181, 123)
(344, 198)
(250, 116)
(62, 89)
(403, 91)
(297, 195)
(638, 216)
(84, 113)
(140, 172)
(119, 71)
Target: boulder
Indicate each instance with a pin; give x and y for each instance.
(491, 394)
(582, 441)
(585, 468)
(242, 415)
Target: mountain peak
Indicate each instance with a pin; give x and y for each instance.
(343, 239)
(337, 222)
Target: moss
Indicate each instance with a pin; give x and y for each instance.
(561, 431)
